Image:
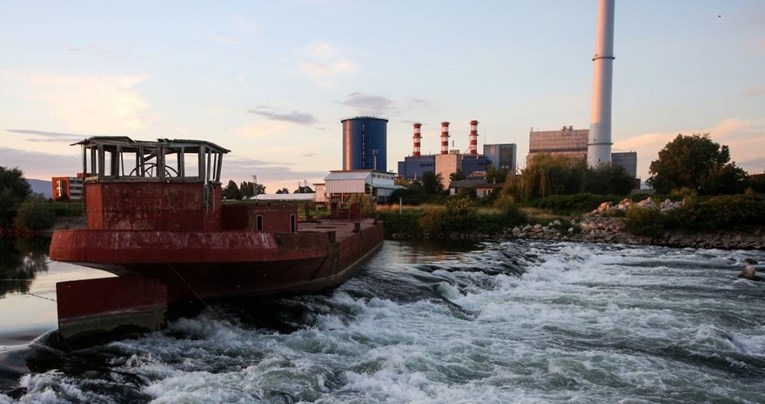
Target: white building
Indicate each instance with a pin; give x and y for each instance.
(341, 185)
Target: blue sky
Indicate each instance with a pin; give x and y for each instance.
(271, 80)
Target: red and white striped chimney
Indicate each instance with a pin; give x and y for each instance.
(416, 137)
(444, 137)
(473, 137)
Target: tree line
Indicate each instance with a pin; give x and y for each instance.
(248, 189)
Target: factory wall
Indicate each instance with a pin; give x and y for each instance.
(414, 166)
(627, 161)
(503, 155)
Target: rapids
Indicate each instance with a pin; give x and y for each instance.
(494, 322)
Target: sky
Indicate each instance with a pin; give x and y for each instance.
(271, 80)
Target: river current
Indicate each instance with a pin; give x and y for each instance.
(494, 322)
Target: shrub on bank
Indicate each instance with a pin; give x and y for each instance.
(648, 222)
(458, 216)
(405, 223)
(35, 213)
(569, 204)
(67, 209)
(714, 214)
(724, 211)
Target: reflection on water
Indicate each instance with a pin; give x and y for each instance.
(28, 289)
(20, 261)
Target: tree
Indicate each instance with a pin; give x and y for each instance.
(232, 191)
(698, 163)
(607, 179)
(550, 175)
(283, 191)
(432, 182)
(457, 175)
(495, 176)
(304, 189)
(14, 188)
(35, 213)
(247, 189)
(260, 189)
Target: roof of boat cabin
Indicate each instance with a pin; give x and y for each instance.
(128, 143)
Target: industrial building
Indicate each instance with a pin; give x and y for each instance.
(69, 188)
(340, 186)
(573, 142)
(567, 141)
(627, 161)
(449, 161)
(365, 143)
(502, 155)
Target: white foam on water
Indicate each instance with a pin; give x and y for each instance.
(582, 323)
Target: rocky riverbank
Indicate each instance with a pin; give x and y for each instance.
(603, 229)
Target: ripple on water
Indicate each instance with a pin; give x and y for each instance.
(502, 322)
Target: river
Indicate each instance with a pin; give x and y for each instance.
(516, 321)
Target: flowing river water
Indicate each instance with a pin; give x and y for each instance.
(515, 321)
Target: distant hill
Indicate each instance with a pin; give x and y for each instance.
(40, 187)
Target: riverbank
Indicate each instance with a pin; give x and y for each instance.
(599, 229)
(607, 229)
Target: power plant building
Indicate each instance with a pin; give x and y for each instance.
(573, 142)
(365, 143)
(567, 141)
(502, 156)
(413, 167)
(447, 161)
(627, 161)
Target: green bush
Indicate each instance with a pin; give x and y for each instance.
(645, 222)
(569, 204)
(460, 215)
(457, 216)
(435, 222)
(67, 209)
(405, 223)
(726, 211)
(35, 213)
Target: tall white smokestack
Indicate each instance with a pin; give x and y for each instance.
(599, 145)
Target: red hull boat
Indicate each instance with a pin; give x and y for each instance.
(155, 217)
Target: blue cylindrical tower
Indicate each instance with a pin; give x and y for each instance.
(365, 143)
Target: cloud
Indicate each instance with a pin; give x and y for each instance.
(225, 39)
(101, 104)
(324, 62)
(754, 92)
(99, 52)
(266, 130)
(49, 136)
(300, 118)
(369, 104)
(38, 165)
(744, 138)
(418, 101)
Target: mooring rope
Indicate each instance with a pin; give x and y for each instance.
(26, 293)
(194, 291)
(41, 297)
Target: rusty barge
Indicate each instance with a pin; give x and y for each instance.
(155, 218)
